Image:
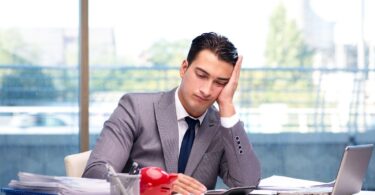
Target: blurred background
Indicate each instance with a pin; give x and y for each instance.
(307, 84)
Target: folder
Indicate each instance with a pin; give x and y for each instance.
(11, 191)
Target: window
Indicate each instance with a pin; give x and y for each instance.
(38, 86)
(303, 93)
(306, 86)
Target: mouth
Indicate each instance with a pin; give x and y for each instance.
(201, 99)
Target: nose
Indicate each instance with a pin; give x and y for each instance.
(205, 89)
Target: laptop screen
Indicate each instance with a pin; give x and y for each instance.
(352, 169)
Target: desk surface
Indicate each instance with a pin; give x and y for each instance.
(10, 191)
(366, 193)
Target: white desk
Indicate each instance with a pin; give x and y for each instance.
(264, 192)
(366, 193)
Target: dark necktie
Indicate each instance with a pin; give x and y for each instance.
(187, 143)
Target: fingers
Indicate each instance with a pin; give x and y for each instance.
(237, 69)
(225, 99)
(187, 185)
(233, 82)
(239, 62)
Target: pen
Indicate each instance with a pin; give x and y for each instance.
(113, 173)
(134, 169)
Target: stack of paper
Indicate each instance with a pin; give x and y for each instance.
(60, 185)
(286, 185)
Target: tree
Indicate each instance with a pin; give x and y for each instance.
(167, 53)
(286, 48)
(285, 44)
(11, 47)
(27, 86)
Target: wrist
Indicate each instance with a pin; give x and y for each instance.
(227, 110)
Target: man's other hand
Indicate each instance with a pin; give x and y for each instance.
(187, 185)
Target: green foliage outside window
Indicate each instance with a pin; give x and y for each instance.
(286, 48)
(27, 86)
(165, 53)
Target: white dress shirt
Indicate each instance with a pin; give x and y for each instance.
(226, 122)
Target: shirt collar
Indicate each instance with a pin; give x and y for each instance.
(181, 112)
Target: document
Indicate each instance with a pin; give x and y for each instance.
(282, 185)
(263, 192)
(60, 185)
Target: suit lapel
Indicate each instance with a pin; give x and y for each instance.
(166, 119)
(202, 140)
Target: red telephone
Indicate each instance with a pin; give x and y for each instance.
(155, 181)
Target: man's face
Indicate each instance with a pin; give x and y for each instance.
(202, 82)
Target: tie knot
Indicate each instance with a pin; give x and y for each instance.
(191, 122)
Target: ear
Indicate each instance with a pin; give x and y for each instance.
(183, 68)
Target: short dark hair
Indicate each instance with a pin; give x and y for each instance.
(218, 44)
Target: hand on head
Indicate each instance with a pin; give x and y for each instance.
(225, 99)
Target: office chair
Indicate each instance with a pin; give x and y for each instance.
(75, 163)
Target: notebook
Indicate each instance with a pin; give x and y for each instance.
(350, 175)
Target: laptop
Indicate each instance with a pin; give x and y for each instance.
(352, 169)
(350, 175)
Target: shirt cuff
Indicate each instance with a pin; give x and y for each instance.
(229, 122)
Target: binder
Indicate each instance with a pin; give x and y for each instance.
(11, 191)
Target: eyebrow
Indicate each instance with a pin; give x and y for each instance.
(219, 78)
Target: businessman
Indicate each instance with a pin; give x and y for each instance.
(180, 130)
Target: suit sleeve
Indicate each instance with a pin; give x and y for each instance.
(239, 165)
(115, 141)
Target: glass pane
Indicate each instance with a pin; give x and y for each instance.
(38, 86)
(306, 87)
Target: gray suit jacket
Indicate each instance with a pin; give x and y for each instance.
(143, 128)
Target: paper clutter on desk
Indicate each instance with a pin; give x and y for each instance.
(282, 185)
(60, 185)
